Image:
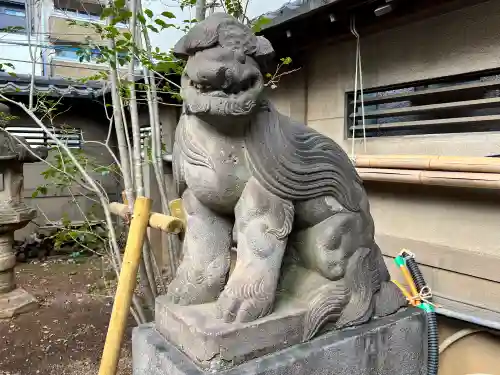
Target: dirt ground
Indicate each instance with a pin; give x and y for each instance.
(65, 336)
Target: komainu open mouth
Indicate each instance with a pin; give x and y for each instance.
(236, 98)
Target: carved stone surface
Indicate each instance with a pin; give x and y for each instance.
(279, 191)
(308, 292)
(387, 346)
(201, 336)
(14, 214)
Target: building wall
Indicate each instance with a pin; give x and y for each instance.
(14, 49)
(62, 68)
(454, 232)
(55, 204)
(62, 32)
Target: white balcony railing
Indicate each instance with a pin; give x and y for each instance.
(81, 16)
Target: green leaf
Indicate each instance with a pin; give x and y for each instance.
(152, 28)
(106, 12)
(149, 13)
(260, 23)
(119, 3)
(141, 18)
(121, 42)
(165, 66)
(168, 14)
(162, 23)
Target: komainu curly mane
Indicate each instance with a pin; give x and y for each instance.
(295, 162)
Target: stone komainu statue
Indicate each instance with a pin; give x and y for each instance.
(287, 197)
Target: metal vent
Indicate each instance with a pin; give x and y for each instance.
(37, 137)
(455, 104)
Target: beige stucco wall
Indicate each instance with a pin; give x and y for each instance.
(446, 228)
(61, 29)
(62, 68)
(54, 204)
(458, 42)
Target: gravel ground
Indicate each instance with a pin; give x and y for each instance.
(65, 336)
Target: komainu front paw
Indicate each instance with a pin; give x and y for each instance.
(245, 299)
(198, 282)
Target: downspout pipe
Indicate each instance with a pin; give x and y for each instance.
(431, 318)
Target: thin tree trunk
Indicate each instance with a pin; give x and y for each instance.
(30, 6)
(120, 134)
(154, 118)
(134, 114)
(123, 151)
(145, 268)
(200, 10)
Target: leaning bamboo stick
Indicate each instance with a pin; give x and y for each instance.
(126, 285)
(440, 178)
(430, 162)
(165, 223)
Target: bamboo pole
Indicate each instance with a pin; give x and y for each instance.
(430, 162)
(126, 285)
(439, 178)
(165, 223)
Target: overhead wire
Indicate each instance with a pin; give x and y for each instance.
(358, 72)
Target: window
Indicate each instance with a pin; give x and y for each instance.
(67, 52)
(36, 137)
(71, 53)
(75, 14)
(454, 104)
(12, 15)
(79, 10)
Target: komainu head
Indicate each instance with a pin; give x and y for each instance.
(223, 71)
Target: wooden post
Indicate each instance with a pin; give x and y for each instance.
(126, 285)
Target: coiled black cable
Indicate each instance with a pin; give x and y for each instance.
(432, 326)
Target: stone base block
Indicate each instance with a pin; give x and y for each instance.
(230, 342)
(16, 302)
(387, 346)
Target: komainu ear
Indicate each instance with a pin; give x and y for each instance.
(179, 49)
(203, 35)
(264, 53)
(264, 49)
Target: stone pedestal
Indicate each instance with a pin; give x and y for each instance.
(391, 345)
(14, 215)
(16, 302)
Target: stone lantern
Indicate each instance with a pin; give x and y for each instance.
(14, 215)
